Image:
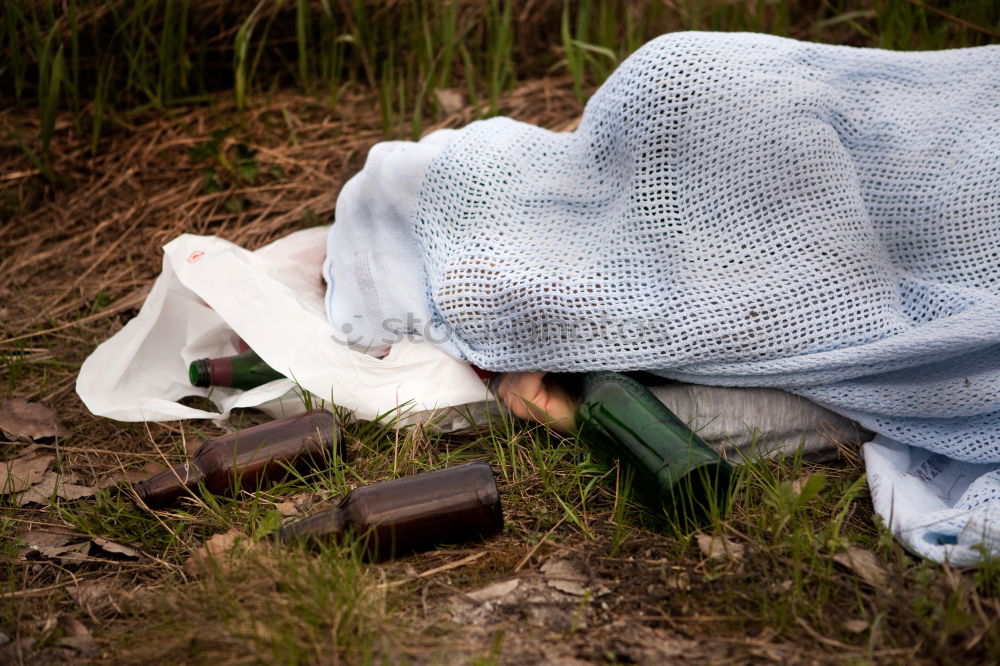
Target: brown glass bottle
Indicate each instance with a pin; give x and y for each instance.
(416, 512)
(249, 458)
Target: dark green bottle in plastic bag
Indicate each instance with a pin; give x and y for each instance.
(243, 371)
(672, 468)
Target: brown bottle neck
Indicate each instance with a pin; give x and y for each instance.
(331, 523)
(167, 487)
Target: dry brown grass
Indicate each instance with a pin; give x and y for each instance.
(77, 259)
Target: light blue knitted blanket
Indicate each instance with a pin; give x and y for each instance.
(745, 210)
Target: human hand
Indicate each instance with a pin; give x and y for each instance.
(529, 397)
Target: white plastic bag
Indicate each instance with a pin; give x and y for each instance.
(212, 292)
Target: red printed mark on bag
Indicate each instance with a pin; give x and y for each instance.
(195, 256)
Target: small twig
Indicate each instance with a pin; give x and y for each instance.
(528, 555)
(33, 592)
(123, 564)
(452, 565)
(34, 357)
(16, 175)
(829, 642)
(469, 559)
(987, 624)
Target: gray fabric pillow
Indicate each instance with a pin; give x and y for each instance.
(760, 421)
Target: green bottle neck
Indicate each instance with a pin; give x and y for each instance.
(200, 373)
(243, 371)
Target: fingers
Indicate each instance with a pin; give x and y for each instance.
(522, 392)
(528, 397)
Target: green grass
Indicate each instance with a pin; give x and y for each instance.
(96, 59)
(256, 602)
(303, 604)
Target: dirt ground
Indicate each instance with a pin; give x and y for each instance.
(76, 261)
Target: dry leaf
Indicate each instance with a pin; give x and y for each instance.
(48, 538)
(808, 487)
(133, 475)
(70, 551)
(29, 421)
(88, 592)
(716, 547)
(293, 506)
(296, 504)
(219, 550)
(856, 626)
(53, 544)
(22, 473)
(76, 636)
(114, 550)
(798, 484)
(865, 563)
(563, 576)
(450, 99)
(288, 508)
(495, 591)
(139, 597)
(679, 581)
(51, 483)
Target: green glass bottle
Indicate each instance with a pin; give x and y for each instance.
(672, 468)
(243, 371)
